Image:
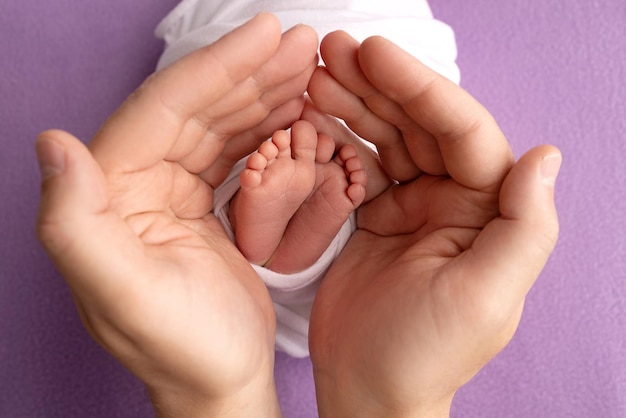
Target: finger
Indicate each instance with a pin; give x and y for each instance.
(222, 131)
(171, 100)
(283, 76)
(333, 98)
(474, 150)
(73, 225)
(508, 255)
(243, 144)
(343, 91)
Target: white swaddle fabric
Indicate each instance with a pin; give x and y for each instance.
(410, 24)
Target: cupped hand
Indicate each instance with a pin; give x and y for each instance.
(128, 221)
(432, 284)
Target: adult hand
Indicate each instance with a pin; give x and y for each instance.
(432, 284)
(128, 221)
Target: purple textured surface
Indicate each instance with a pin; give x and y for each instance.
(551, 72)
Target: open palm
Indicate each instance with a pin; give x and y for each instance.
(156, 280)
(432, 284)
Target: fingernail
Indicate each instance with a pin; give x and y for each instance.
(51, 157)
(550, 167)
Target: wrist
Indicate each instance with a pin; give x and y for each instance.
(258, 399)
(346, 399)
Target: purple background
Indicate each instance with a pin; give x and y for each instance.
(551, 71)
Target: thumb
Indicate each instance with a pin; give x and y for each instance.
(72, 191)
(510, 252)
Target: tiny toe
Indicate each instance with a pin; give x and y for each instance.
(353, 164)
(269, 150)
(282, 142)
(358, 177)
(325, 148)
(250, 179)
(356, 193)
(256, 161)
(348, 151)
(303, 141)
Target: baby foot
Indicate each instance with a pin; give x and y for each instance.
(277, 179)
(339, 189)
